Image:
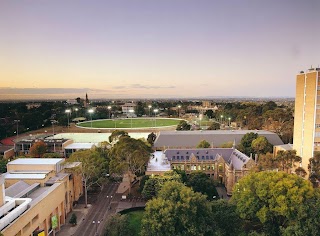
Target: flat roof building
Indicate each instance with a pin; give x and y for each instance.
(190, 139)
(35, 196)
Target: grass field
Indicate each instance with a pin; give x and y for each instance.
(135, 218)
(130, 123)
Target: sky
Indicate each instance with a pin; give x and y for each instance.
(155, 48)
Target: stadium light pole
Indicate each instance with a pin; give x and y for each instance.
(149, 110)
(131, 111)
(109, 109)
(179, 106)
(68, 111)
(76, 109)
(90, 112)
(155, 118)
(17, 122)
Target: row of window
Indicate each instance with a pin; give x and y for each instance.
(188, 157)
(197, 167)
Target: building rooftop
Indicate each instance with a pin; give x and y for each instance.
(95, 137)
(80, 146)
(24, 176)
(36, 161)
(191, 139)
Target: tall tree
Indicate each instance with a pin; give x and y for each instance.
(225, 220)
(314, 169)
(287, 160)
(116, 134)
(151, 138)
(245, 145)
(200, 182)
(154, 184)
(93, 168)
(38, 149)
(117, 225)
(176, 211)
(129, 155)
(261, 145)
(271, 199)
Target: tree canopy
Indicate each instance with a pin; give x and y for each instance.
(93, 167)
(245, 145)
(201, 183)
(129, 154)
(38, 149)
(176, 211)
(183, 125)
(271, 199)
(203, 144)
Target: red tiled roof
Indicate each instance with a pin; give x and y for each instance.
(7, 141)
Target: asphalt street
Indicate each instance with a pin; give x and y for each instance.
(105, 205)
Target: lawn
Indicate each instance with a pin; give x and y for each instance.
(130, 123)
(135, 218)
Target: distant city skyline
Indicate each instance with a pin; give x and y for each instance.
(155, 49)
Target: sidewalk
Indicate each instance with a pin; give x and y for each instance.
(68, 229)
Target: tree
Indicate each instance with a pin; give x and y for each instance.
(116, 134)
(117, 225)
(3, 165)
(151, 138)
(307, 219)
(245, 145)
(154, 184)
(92, 169)
(261, 145)
(314, 169)
(129, 155)
(201, 183)
(183, 125)
(52, 155)
(225, 220)
(176, 211)
(287, 160)
(267, 162)
(38, 149)
(209, 113)
(203, 144)
(73, 219)
(271, 199)
(140, 109)
(227, 145)
(214, 126)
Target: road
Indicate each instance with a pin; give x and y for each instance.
(99, 211)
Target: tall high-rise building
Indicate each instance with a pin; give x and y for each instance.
(306, 134)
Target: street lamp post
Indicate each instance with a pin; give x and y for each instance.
(229, 121)
(155, 118)
(221, 119)
(109, 109)
(90, 112)
(179, 106)
(149, 110)
(68, 111)
(17, 122)
(53, 122)
(131, 112)
(96, 223)
(76, 109)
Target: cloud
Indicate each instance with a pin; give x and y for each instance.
(140, 86)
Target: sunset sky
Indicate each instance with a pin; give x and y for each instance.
(154, 49)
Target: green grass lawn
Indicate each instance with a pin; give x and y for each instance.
(135, 218)
(130, 123)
